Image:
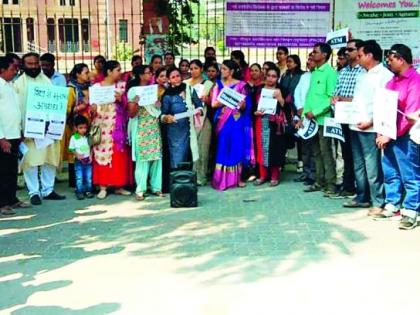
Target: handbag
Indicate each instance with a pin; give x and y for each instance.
(94, 136)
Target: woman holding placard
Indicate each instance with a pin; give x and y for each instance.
(202, 122)
(271, 128)
(144, 135)
(179, 104)
(111, 162)
(233, 130)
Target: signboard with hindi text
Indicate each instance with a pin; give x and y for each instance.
(46, 109)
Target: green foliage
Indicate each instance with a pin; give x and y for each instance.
(122, 52)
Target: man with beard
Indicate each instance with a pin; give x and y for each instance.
(47, 158)
(47, 66)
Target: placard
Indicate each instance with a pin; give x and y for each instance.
(333, 129)
(339, 38)
(271, 23)
(46, 109)
(308, 130)
(267, 103)
(101, 95)
(347, 113)
(148, 95)
(385, 107)
(187, 114)
(230, 98)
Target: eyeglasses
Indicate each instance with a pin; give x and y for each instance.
(350, 49)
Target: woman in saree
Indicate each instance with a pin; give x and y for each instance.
(78, 104)
(233, 131)
(182, 138)
(271, 133)
(203, 126)
(112, 165)
(144, 135)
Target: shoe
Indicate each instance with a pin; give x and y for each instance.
(89, 195)
(309, 182)
(312, 188)
(102, 194)
(35, 200)
(343, 195)
(54, 196)
(331, 194)
(407, 223)
(252, 178)
(21, 204)
(300, 179)
(389, 212)
(374, 211)
(122, 192)
(80, 196)
(355, 204)
(140, 196)
(7, 210)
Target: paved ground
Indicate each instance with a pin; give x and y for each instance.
(244, 251)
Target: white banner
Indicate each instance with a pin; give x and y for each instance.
(347, 113)
(267, 103)
(148, 95)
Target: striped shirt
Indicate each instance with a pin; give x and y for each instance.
(346, 80)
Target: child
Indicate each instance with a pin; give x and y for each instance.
(79, 146)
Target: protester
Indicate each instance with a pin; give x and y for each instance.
(144, 135)
(308, 158)
(317, 107)
(341, 62)
(344, 91)
(233, 131)
(212, 71)
(46, 158)
(136, 60)
(281, 55)
(48, 67)
(111, 157)
(366, 156)
(169, 59)
(238, 57)
(184, 67)
(79, 146)
(401, 157)
(182, 139)
(10, 134)
(155, 64)
(202, 123)
(17, 63)
(271, 134)
(97, 74)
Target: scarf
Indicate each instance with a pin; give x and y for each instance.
(79, 87)
(175, 90)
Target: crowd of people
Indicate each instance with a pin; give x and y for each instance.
(117, 146)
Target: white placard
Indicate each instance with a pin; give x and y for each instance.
(385, 107)
(347, 113)
(148, 95)
(186, 114)
(339, 38)
(415, 132)
(267, 103)
(35, 123)
(199, 89)
(308, 130)
(230, 98)
(56, 126)
(333, 129)
(101, 95)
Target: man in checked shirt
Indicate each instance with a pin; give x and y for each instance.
(344, 91)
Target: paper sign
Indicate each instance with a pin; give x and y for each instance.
(333, 129)
(309, 129)
(415, 132)
(101, 95)
(148, 95)
(385, 113)
(55, 127)
(186, 114)
(35, 123)
(339, 38)
(347, 113)
(230, 98)
(267, 103)
(23, 149)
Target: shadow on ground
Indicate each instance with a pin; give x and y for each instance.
(247, 233)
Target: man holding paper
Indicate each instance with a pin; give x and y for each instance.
(344, 93)
(366, 156)
(47, 158)
(401, 158)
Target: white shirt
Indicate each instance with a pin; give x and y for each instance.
(80, 145)
(10, 114)
(365, 89)
(302, 89)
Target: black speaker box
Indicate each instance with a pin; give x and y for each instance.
(183, 189)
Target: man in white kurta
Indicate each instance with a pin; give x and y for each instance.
(48, 158)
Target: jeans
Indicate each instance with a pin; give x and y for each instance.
(83, 174)
(367, 168)
(401, 165)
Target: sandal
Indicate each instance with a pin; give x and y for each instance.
(241, 185)
(122, 192)
(274, 183)
(140, 197)
(7, 210)
(102, 194)
(259, 182)
(159, 194)
(21, 204)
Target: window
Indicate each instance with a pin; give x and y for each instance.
(123, 31)
(68, 34)
(11, 34)
(51, 34)
(71, 2)
(10, 1)
(30, 30)
(85, 35)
